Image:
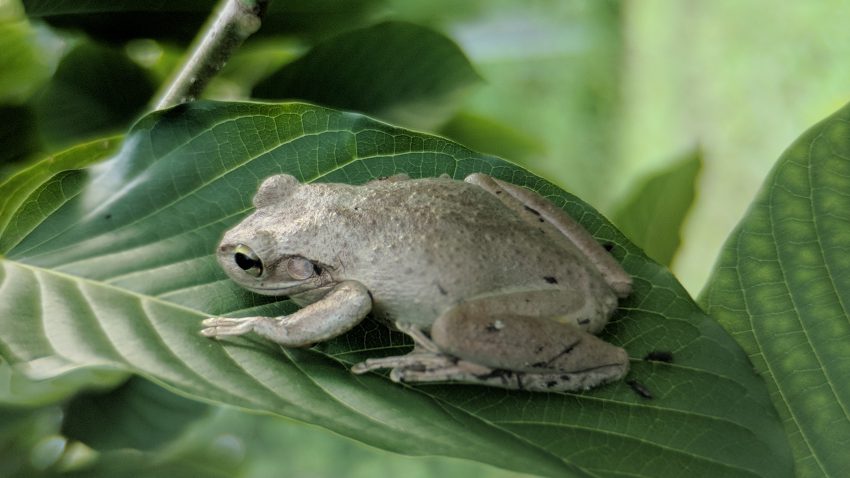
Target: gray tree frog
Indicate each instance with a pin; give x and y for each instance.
(494, 284)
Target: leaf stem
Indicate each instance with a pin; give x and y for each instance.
(226, 29)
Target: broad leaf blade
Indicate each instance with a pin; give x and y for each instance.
(652, 216)
(397, 71)
(119, 272)
(95, 91)
(782, 288)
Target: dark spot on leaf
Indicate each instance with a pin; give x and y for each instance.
(542, 220)
(659, 356)
(108, 217)
(539, 349)
(608, 246)
(356, 208)
(583, 321)
(550, 279)
(531, 210)
(640, 389)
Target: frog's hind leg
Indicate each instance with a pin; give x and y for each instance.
(525, 352)
(493, 343)
(536, 209)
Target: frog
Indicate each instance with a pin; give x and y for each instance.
(493, 283)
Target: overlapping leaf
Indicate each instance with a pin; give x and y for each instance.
(782, 288)
(400, 72)
(121, 20)
(112, 267)
(653, 214)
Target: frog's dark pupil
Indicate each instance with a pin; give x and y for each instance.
(244, 262)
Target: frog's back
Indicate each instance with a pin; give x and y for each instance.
(433, 243)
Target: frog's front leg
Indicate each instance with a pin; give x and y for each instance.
(336, 313)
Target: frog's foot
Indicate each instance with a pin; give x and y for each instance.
(414, 361)
(226, 326)
(425, 356)
(421, 341)
(431, 367)
(467, 372)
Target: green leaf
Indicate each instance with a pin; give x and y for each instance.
(653, 214)
(27, 59)
(134, 464)
(21, 432)
(137, 415)
(114, 267)
(179, 20)
(96, 90)
(20, 194)
(397, 71)
(782, 288)
(492, 137)
(18, 134)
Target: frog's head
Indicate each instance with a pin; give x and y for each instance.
(268, 252)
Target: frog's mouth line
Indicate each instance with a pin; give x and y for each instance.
(286, 288)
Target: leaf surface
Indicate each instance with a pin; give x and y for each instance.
(112, 267)
(782, 288)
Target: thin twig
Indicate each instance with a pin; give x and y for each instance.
(233, 22)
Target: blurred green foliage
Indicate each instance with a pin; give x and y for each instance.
(601, 97)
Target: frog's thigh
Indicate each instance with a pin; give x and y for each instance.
(535, 207)
(525, 351)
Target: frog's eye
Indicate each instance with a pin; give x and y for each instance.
(299, 268)
(247, 260)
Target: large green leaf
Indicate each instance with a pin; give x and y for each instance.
(113, 267)
(397, 71)
(27, 58)
(96, 90)
(782, 288)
